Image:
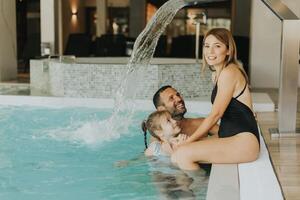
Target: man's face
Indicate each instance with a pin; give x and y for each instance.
(172, 101)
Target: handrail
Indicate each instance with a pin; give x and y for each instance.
(280, 9)
(289, 64)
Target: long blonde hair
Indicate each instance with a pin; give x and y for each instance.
(224, 36)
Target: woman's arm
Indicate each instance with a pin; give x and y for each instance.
(226, 87)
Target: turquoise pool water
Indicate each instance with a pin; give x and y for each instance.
(36, 162)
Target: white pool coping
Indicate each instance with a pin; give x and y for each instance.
(257, 180)
(125, 60)
(261, 103)
(223, 182)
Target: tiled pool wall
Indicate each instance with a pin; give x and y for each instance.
(50, 77)
(14, 89)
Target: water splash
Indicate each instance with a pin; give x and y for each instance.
(128, 89)
(143, 51)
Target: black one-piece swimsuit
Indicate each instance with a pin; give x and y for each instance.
(237, 117)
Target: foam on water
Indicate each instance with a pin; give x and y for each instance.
(92, 132)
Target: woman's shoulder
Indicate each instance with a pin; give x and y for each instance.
(236, 72)
(229, 72)
(231, 68)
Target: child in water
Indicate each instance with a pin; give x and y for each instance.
(166, 131)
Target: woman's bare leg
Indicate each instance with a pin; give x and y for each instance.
(240, 148)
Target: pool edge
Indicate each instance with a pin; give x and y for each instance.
(223, 182)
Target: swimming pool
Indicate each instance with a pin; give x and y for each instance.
(246, 181)
(45, 153)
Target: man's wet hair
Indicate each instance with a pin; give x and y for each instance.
(156, 97)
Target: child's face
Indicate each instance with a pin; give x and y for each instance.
(169, 126)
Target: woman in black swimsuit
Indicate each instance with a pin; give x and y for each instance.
(238, 139)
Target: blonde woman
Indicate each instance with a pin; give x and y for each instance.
(238, 140)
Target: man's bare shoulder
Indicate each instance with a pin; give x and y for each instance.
(189, 125)
(193, 120)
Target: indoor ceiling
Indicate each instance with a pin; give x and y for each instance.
(217, 4)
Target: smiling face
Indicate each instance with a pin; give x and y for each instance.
(169, 127)
(215, 51)
(173, 102)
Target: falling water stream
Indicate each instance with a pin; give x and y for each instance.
(143, 51)
(124, 104)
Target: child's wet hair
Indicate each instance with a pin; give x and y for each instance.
(151, 124)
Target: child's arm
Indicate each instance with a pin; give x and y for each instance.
(167, 148)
